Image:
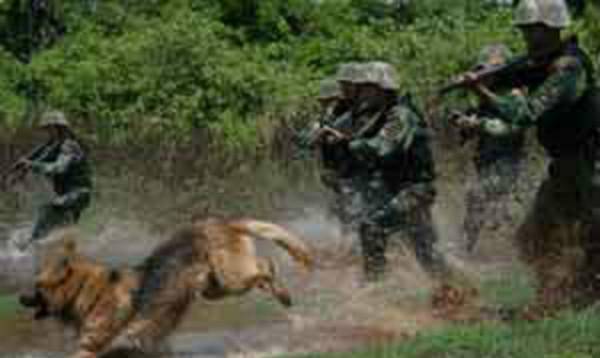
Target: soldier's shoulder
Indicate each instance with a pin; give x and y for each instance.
(71, 145)
(566, 63)
(405, 111)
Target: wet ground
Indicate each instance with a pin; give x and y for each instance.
(334, 310)
(331, 313)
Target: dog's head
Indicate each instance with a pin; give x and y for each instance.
(53, 288)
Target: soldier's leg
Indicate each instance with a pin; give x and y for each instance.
(48, 217)
(504, 183)
(484, 202)
(73, 204)
(63, 210)
(413, 206)
(547, 243)
(474, 217)
(588, 281)
(424, 238)
(373, 243)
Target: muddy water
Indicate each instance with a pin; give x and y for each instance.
(333, 310)
(22, 336)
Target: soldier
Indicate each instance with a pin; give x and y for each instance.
(557, 95)
(63, 161)
(391, 151)
(336, 98)
(498, 156)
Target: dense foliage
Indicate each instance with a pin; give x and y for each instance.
(119, 65)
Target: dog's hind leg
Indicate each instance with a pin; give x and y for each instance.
(268, 283)
(166, 311)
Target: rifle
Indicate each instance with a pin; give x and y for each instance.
(19, 169)
(508, 69)
(366, 129)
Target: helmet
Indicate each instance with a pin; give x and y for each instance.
(552, 13)
(349, 72)
(329, 89)
(54, 118)
(493, 55)
(381, 74)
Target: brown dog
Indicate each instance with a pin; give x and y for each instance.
(211, 258)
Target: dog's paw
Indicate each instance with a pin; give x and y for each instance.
(285, 299)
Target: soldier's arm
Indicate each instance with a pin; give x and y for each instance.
(397, 134)
(497, 127)
(70, 152)
(564, 86)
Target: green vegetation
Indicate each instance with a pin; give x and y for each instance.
(126, 68)
(574, 335)
(8, 306)
(511, 289)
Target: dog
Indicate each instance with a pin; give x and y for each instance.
(210, 258)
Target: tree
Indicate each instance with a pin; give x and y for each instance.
(30, 25)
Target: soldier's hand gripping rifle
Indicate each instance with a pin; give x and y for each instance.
(320, 131)
(15, 173)
(18, 170)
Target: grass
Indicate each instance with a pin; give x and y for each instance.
(8, 306)
(511, 289)
(572, 335)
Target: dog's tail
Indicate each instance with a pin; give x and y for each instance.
(280, 236)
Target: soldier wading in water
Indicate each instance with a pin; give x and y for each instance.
(556, 93)
(63, 161)
(498, 158)
(393, 166)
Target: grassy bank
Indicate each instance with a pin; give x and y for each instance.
(573, 335)
(8, 306)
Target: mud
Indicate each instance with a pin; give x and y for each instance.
(334, 310)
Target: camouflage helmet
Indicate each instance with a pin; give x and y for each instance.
(552, 13)
(54, 118)
(349, 72)
(493, 55)
(381, 74)
(329, 89)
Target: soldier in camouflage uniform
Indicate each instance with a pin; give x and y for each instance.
(557, 94)
(64, 162)
(498, 155)
(336, 98)
(389, 149)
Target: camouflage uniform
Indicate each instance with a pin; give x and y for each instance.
(65, 164)
(394, 171)
(336, 169)
(498, 158)
(562, 101)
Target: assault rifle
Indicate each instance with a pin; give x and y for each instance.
(321, 130)
(507, 70)
(19, 169)
(341, 133)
